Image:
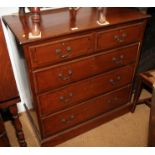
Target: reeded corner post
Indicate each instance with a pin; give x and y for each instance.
(35, 14)
(101, 16)
(73, 13)
(35, 31)
(21, 11)
(24, 22)
(151, 132)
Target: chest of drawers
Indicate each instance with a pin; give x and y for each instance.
(83, 78)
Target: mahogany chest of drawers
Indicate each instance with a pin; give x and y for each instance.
(82, 78)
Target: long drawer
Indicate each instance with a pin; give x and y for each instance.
(119, 36)
(58, 51)
(87, 110)
(83, 90)
(77, 70)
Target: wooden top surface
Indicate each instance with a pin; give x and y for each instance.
(8, 89)
(57, 22)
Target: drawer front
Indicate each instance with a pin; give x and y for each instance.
(85, 111)
(54, 52)
(121, 36)
(83, 68)
(83, 90)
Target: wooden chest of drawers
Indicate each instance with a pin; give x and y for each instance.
(80, 79)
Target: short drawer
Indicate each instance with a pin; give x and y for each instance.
(81, 91)
(120, 36)
(61, 50)
(85, 111)
(66, 73)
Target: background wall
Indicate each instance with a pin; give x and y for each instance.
(8, 10)
(17, 62)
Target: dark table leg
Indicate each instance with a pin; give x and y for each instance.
(4, 141)
(137, 93)
(18, 126)
(151, 137)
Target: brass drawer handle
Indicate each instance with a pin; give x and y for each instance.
(58, 50)
(119, 60)
(121, 57)
(118, 78)
(67, 98)
(62, 54)
(68, 120)
(69, 49)
(114, 81)
(63, 120)
(71, 117)
(120, 38)
(124, 35)
(65, 77)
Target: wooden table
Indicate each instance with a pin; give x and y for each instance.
(151, 137)
(4, 141)
(9, 96)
